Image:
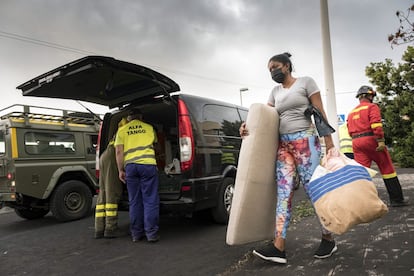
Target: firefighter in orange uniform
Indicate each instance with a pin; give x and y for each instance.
(365, 128)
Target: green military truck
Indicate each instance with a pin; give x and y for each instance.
(47, 161)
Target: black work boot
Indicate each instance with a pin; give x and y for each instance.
(114, 232)
(395, 192)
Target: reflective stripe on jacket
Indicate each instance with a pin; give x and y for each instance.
(137, 138)
(345, 141)
(366, 117)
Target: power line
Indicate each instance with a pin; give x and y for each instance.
(80, 51)
(347, 92)
(201, 77)
(44, 43)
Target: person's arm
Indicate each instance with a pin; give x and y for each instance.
(243, 131)
(119, 152)
(316, 101)
(375, 119)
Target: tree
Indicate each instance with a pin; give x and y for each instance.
(405, 33)
(395, 86)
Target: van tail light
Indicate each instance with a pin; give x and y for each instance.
(185, 188)
(97, 152)
(186, 138)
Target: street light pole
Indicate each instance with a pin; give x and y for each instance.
(244, 89)
(328, 68)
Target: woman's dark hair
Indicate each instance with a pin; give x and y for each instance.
(282, 58)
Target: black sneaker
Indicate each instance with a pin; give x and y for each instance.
(137, 239)
(272, 254)
(326, 249)
(154, 239)
(112, 234)
(99, 235)
(399, 203)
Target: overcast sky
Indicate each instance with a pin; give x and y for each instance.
(209, 47)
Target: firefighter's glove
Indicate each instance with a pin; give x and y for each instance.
(381, 145)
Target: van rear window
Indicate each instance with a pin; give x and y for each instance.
(44, 143)
(225, 118)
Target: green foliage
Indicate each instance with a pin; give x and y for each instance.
(395, 86)
(302, 210)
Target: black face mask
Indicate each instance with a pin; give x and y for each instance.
(277, 75)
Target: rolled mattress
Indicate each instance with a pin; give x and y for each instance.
(253, 209)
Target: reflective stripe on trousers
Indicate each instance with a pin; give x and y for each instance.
(110, 190)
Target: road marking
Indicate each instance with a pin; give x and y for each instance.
(116, 259)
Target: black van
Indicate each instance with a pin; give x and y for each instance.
(198, 138)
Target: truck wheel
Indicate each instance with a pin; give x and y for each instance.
(31, 213)
(222, 211)
(71, 200)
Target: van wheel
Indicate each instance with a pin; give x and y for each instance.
(222, 211)
(31, 213)
(71, 200)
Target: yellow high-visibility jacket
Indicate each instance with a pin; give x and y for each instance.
(138, 139)
(345, 141)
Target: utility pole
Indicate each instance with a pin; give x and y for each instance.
(328, 68)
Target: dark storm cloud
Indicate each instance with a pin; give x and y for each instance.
(225, 40)
(180, 30)
(170, 28)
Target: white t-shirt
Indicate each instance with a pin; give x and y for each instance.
(291, 104)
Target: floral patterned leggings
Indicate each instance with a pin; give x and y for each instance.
(299, 153)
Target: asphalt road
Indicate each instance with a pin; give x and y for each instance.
(381, 248)
(197, 247)
(46, 247)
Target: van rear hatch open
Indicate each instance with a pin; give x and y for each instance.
(114, 83)
(101, 80)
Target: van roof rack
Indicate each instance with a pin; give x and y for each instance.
(37, 114)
